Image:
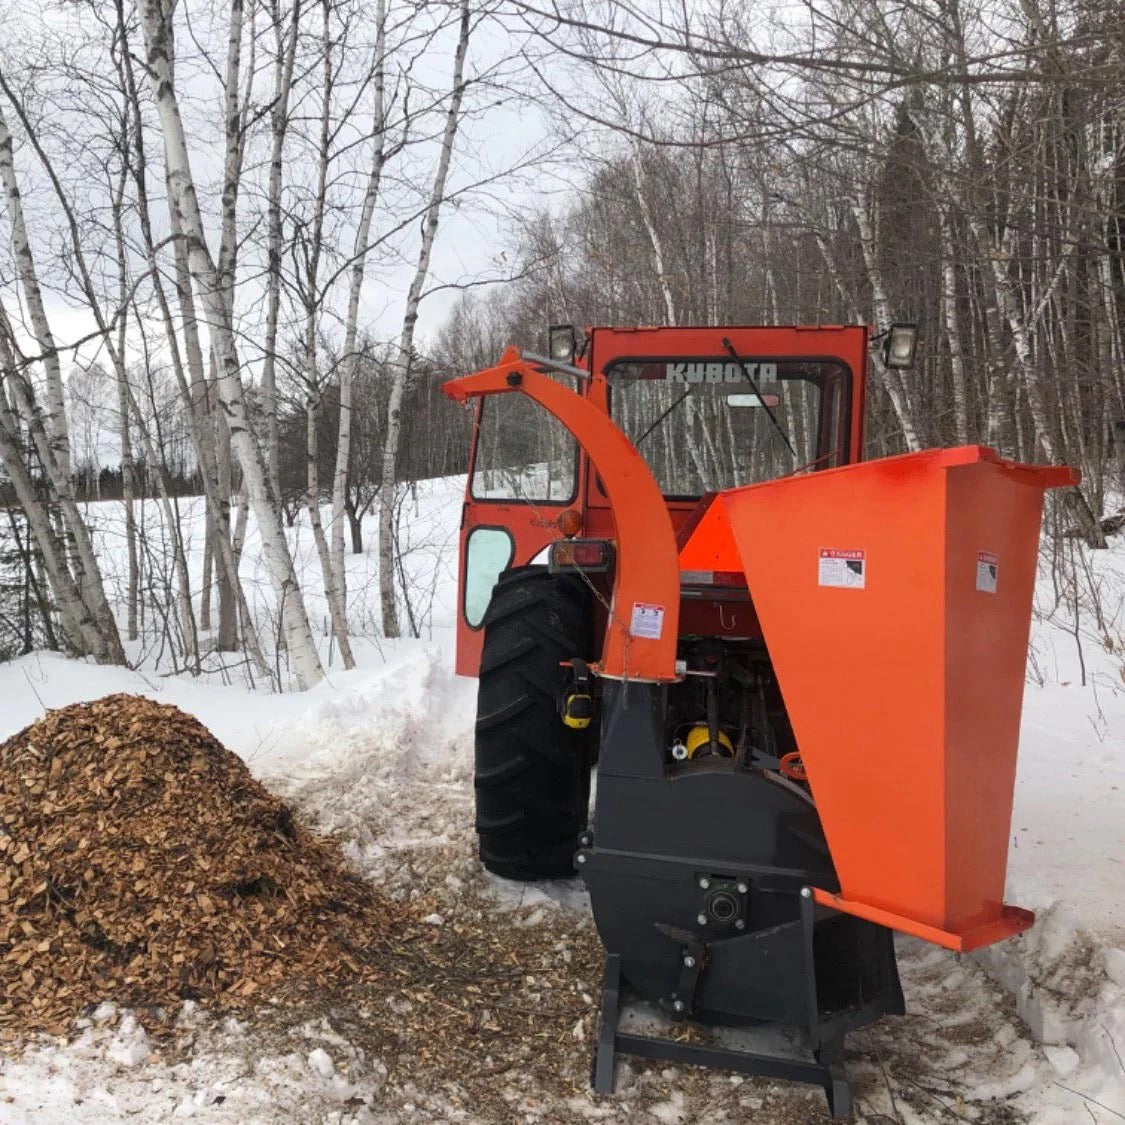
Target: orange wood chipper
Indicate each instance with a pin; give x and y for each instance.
(799, 675)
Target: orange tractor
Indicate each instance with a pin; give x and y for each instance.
(799, 675)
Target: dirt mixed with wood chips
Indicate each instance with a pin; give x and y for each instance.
(142, 865)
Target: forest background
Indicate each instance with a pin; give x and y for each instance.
(246, 240)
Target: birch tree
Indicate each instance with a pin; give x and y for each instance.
(50, 436)
(313, 251)
(349, 359)
(185, 353)
(405, 355)
(157, 31)
(285, 57)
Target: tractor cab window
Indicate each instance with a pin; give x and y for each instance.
(523, 453)
(708, 424)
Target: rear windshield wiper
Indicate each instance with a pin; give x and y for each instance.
(637, 443)
(761, 398)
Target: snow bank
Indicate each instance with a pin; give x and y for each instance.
(403, 703)
(430, 512)
(1070, 991)
(1067, 854)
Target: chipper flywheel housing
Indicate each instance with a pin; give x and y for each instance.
(835, 763)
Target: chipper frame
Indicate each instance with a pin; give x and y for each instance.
(805, 690)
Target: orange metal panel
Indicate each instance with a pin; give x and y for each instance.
(1012, 920)
(989, 512)
(900, 653)
(531, 528)
(640, 640)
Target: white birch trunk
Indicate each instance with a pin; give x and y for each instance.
(232, 163)
(890, 379)
(128, 484)
(893, 387)
(406, 339)
(78, 626)
(55, 414)
(312, 502)
(241, 520)
(85, 627)
(1007, 302)
(128, 494)
(194, 394)
(340, 478)
(219, 433)
(279, 127)
(228, 264)
(951, 316)
(295, 625)
(87, 574)
(334, 595)
(655, 242)
(50, 436)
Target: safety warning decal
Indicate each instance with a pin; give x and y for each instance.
(988, 567)
(842, 568)
(647, 621)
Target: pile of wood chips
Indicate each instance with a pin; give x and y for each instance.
(141, 863)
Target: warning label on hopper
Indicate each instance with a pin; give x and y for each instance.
(842, 568)
(988, 567)
(647, 621)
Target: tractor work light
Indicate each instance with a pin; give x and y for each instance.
(899, 346)
(562, 342)
(593, 555)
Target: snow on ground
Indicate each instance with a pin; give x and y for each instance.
(1067, 854)
(1030, 1030)
(429, 512)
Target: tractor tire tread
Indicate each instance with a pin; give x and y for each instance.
(532, 773)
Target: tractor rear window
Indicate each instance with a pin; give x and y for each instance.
(523, 453)
(705, 424)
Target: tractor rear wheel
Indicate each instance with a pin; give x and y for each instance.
(532, 771)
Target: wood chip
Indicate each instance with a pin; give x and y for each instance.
(159, 870)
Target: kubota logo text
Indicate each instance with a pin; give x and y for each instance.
(719, 372)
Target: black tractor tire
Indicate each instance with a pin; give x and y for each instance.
(532, 771)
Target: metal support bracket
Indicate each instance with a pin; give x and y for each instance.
(605, 1061)
(819, 1071)
(693, 955)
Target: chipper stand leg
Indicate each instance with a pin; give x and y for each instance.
(825, 1071)
(605, 1061)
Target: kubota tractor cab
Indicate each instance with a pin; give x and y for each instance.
(799, 675)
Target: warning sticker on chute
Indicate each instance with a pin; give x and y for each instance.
(647, 621)
(847, 569)
(988, 568)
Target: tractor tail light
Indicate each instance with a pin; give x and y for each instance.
(594, 555)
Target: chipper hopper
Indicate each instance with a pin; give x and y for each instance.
(800, 676)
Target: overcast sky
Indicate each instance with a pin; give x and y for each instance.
(476, 229)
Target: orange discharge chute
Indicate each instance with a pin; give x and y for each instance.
(895, 601)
